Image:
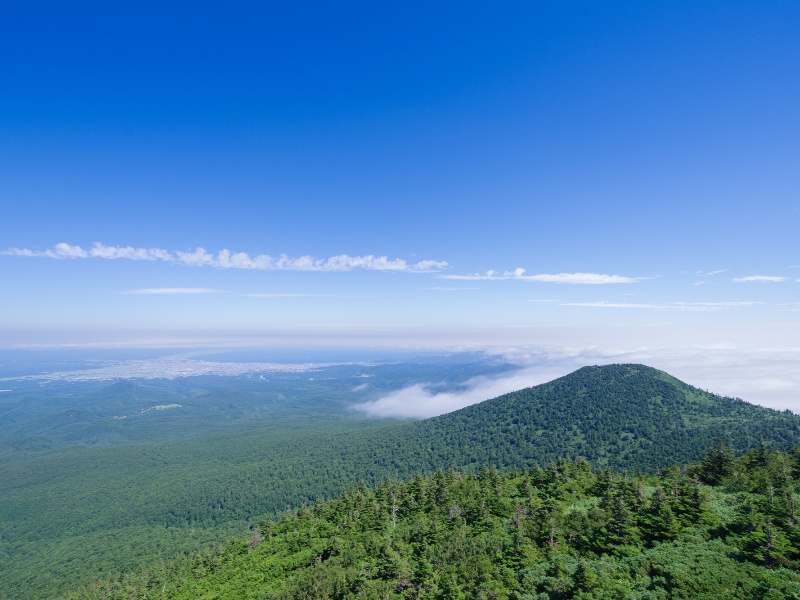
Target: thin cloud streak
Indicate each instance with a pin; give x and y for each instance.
(226, 259)
(570, 278)
(760, 279)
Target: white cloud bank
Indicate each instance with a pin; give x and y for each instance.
(769, 376)
(226, 259)
(572, 278)
(419, 402)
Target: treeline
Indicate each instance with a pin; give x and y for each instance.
(726, 527)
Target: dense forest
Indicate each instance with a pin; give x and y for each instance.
(88, 512)
(724, 528)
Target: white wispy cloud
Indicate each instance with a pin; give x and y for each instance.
(760, 279)
(173, 291)
(226, 259)
(572, 278)
(711, 273)
(671, 306)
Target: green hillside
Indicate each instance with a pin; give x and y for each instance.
(556, 533)
(71, 515)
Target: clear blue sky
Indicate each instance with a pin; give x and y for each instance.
(639, 160)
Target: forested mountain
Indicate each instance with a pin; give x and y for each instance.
(625, 416)
(562, 532)
(69, 516)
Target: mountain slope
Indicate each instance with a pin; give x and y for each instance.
(564, 532)
(623, 416)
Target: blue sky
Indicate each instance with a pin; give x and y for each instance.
(640, 161)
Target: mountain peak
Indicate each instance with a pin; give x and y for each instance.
(620, 415)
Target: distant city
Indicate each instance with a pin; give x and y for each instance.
(170, 368)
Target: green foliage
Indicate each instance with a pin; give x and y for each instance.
(563, 532)
(71, 513)
(717, 464)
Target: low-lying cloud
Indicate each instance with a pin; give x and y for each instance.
(766, 376)
(226, 259)
(418, 401)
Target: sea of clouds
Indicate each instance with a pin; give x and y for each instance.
(765, 376)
